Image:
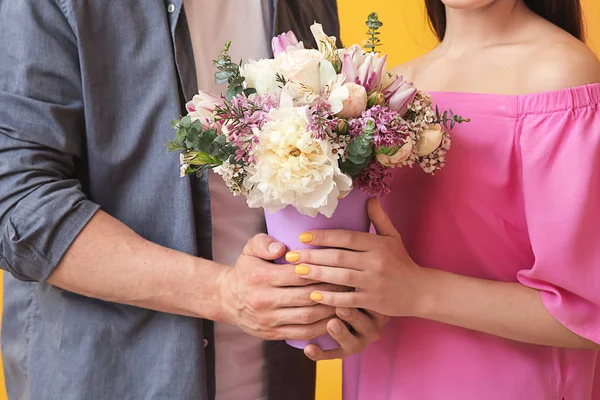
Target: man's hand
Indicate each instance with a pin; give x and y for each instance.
(271, 301)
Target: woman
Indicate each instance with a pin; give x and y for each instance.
(498, 276)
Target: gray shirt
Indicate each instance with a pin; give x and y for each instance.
(87, 93)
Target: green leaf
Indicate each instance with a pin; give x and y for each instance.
(223, 75)
(197, 125)
(353, 169)
(180, 135)
(175, 123)
(217, 145)
(356, 159)
(185, 122)
(204, 159)
(237, 81)
(234, 92)
(388, 151)
(249, 91)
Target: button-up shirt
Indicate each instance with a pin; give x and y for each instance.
(87, 93)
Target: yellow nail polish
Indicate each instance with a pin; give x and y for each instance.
(307, 237)
(302, 269)
(292, 256)
(316, 296)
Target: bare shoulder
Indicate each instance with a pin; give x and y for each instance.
(408, 70)
(559, 62)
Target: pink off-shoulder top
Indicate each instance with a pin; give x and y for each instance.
(519, 200)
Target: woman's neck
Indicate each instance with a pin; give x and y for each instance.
(493, 24)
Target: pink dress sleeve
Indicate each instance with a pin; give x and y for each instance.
(560, 153)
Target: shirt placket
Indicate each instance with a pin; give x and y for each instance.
(186, 70)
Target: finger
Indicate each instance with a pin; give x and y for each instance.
(337, 276)
(300, 296)
(327, 257)
(345, 299)
(364, 325)
(302, 315)
(313, 352)
(265, 247)
(301, 332)
(382, 223)
(285, 276)
(351, 343)
(338, 238)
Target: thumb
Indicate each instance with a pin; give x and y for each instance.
(382, 223)
(265, 247)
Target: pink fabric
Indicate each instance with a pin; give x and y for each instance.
(519, 200)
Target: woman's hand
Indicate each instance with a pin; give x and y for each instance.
(389, 282)
(386, 279)
(367, 327)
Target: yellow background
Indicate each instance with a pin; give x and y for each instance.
(405, 35)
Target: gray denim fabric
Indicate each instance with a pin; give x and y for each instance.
(87, 93)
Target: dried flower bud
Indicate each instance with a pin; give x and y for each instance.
(342, 127)
(376, 98)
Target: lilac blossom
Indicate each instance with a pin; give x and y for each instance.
(242, 117)
(320, 120)
(374, 179)
(390, 131)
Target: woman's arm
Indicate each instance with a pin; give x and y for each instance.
(389, 282)
(505, 309)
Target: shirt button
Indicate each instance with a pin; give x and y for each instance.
(171, 8)
(205, 343)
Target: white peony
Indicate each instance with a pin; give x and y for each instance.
(302, 66)
(293, 168)
(261, 75)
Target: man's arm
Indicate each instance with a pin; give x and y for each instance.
(51, 232)
(43, 210)
(111, 262)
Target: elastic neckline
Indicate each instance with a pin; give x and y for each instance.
(522, 104)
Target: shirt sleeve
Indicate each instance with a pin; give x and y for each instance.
(42, 137)
(560, 154)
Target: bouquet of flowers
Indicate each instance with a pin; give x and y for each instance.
(307, 127)
(296, 134)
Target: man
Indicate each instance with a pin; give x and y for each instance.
(111, 289)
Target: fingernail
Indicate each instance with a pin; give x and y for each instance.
(336, 327)
(311, 352)
(302, 269)
(344, 312)
(275, 247)
(307, 237)
(316, 296)
(292, 256)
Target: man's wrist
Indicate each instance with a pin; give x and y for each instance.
(202, 296)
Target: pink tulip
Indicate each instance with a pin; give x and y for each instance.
(366, 69)
(284, 41)
(202, 107)
(399, 94)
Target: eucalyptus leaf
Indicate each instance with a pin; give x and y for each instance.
(234, 92)
(185, 122)
(223, 75)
